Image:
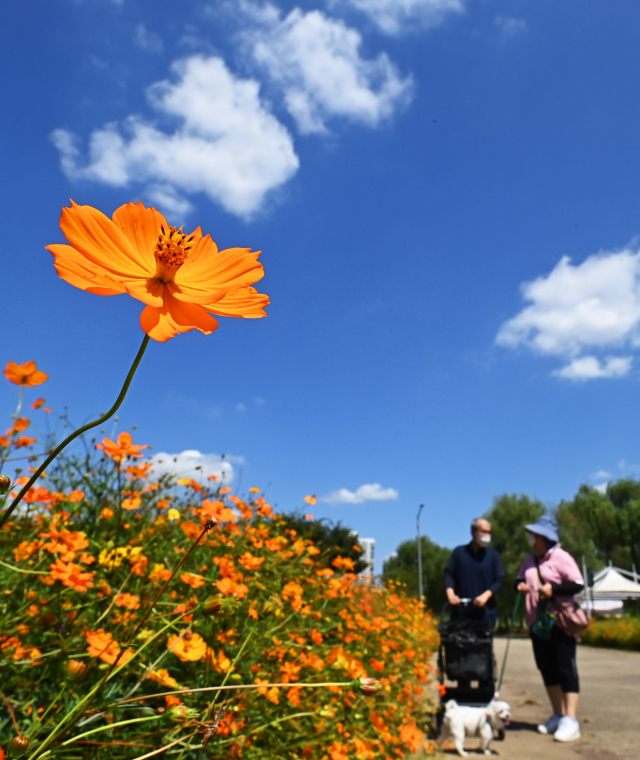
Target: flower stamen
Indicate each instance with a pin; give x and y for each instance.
(171, 251)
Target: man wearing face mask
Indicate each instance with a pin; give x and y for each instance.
(475, 571)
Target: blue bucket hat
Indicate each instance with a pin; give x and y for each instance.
(546, 526)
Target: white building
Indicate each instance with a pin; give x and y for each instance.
(368, 546)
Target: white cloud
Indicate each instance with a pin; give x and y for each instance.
(582, 309)
(589, 368)
(227, 144)
(602, 474)
(193, 464)
(398, 16)
(511, 26)
(367, 492)
(241, 407)
(316, 61)
(601, 487)
(147, 40)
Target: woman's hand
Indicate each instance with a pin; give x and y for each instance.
(524, 588)
(546, 591)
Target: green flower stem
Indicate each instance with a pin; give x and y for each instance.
(107, 727)
(235, 687)
(7, 513)
(20, 570)
(39, 725)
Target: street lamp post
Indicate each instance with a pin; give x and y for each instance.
(420, 588)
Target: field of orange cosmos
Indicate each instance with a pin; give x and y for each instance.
(125, 613)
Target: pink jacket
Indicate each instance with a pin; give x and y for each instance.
(557, 566)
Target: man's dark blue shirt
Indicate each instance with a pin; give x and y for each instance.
(470, 573)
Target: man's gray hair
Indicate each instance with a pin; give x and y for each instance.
(474, 523)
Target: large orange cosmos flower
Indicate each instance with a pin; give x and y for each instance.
(179, 277)
(25, 374)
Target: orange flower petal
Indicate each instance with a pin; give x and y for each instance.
(175, 317)
(211, 271)
(140, 226)
(241, 302)
(150, 291)
(104, 244)
(74, 268)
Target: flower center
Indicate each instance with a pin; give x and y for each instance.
(171, 251)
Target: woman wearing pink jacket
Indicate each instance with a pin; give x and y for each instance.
(547, 574)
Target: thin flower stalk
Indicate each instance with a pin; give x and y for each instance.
(7, 513)
(108, 727)
(235, 661)
(236, 687)
(166, 747)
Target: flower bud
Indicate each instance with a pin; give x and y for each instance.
(75, 669)
(212, 605)
(5, 483)
(179, 713)
(368, 686)
(19, 746)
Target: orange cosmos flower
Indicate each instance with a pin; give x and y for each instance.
(190, 648)
(25, 374)
(19, 426)
(71, 575)
(38, 495)
(139, 471)
(123, 448)
(162, 676)
(412, 737)
(38, 403)
(229, 587)
(24, 441)
(179, 277)
(191, 579)
(311, 499)
(130, 601)
(104, 646)
(133, 503)
(249, 562)
(218, 510)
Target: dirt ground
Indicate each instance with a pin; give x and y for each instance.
(609, 707)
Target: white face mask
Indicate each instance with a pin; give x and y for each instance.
(484, 540)
(531, 539)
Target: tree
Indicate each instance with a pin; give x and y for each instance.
(333, 539)
(508, 516)
(603, 527)
(403, 568)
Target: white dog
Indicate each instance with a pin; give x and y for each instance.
(460, 721)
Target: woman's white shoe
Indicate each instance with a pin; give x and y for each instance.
(551, 726)
(568, 730)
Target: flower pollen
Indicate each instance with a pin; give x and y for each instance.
(171, 251)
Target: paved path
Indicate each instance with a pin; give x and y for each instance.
(609, 707)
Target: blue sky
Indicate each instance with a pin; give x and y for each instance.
(446, 193)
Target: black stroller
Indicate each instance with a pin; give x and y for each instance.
(466, 657)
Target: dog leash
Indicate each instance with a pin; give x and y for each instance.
(506, 651)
